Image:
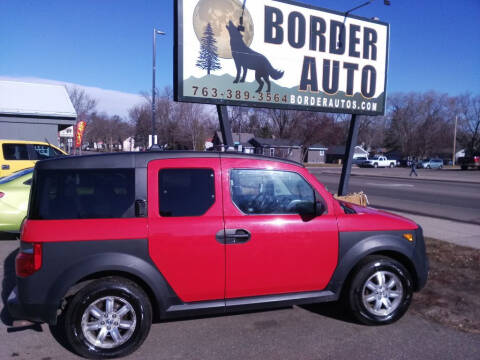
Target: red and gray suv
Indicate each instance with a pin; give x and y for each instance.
(113, 242)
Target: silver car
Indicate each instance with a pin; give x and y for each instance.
(432, 164)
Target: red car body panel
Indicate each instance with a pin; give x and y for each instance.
(185, 249)
(285, 253)
(84, 230)
(368, 219)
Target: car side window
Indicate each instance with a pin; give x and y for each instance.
(270, 191)
(41, 152)
(15, 152)
(185, 192)
(83, 194)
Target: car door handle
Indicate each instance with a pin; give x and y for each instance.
(233, 236)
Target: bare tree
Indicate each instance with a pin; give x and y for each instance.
(140, 120)
(83, 103)
(468, 111)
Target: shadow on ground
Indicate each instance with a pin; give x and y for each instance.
(334, 310)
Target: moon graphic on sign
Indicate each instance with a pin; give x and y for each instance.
(218, 13)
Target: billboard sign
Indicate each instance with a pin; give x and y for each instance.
(279, 54)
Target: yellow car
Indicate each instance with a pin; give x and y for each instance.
(17, 155)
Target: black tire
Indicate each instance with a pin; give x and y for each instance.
(391, 165)
(464, 167)
(358, 291)
(428, 167)
(375, 165)
(110, 287)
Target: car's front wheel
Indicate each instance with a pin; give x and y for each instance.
(380, 291)
(108, 318)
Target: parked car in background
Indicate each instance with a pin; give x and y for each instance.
(378, 161)
(431, 164)
(470, 160)
(16, 155)
(359, 160)
(113, 242)
(14, 192)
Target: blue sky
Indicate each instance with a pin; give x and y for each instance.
(434, 44)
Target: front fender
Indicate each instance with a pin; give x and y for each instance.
(355, 246)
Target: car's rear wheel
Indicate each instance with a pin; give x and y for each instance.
(380, 291)
(108, 318)
(375, 165)
(391, 165)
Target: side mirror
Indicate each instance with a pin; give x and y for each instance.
(305, 209)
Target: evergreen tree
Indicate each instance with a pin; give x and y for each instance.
(208, 57)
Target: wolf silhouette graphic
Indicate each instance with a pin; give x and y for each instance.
(245, 58)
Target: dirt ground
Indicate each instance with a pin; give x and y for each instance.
(452, 294)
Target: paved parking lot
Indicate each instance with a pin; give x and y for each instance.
(314, 332)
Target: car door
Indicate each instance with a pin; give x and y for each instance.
(184, 215)
(271, 249)
(15, 158)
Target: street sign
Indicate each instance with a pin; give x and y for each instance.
(279, 54)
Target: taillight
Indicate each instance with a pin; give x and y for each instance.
(28, 261)
(475, 159)
(1, 194)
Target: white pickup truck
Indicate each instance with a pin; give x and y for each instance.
(378, 161)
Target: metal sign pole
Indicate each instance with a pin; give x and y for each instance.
(348, 158)
(225, 126)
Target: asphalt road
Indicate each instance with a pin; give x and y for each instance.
(313, 333)
(445, 199)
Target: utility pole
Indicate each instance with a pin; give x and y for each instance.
(454, 140)
(154, 139)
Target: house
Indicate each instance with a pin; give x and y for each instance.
(129, 144)
(316, 154)
(36, 112)
(240, 141)
(283, 148)
(335, 154)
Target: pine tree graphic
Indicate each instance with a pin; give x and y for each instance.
(208, 57)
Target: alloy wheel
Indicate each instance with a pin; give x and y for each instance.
(108, 322)
(382, 293)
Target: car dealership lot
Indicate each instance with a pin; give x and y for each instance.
(319, 332)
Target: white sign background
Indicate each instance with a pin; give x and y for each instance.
(284, 57)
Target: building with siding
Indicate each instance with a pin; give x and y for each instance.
(316, 154)
(35, 112)
(282, 148)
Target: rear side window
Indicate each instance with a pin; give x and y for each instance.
(15, 151)
(83, 194)
(185, 192)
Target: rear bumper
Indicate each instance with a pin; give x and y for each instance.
(32, 312)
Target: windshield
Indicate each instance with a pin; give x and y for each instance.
(375, 157)
(15, 175)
